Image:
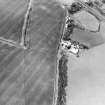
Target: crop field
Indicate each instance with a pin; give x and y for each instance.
(64, 62)
(27, 76)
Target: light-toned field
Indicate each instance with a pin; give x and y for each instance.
(87, 78)
(86, 74)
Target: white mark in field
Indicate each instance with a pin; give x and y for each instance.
(45, 8)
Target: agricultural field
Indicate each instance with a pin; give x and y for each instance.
(27, 75)
(52, 52)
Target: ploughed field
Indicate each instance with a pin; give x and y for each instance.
(27, 76)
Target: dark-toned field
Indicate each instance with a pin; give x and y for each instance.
(27, 76)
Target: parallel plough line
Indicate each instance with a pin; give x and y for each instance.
(31, 58)
(19, 83)
(40, 42)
